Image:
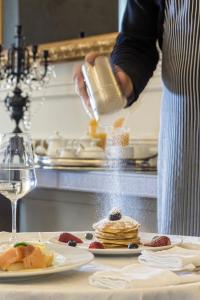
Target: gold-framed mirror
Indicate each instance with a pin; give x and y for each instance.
(78, 48)
(69, 49)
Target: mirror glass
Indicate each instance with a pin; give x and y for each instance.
(49, 21)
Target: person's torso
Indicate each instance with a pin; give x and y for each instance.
(181, 45)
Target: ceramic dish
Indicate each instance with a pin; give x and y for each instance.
(65, 259)
(117, 251)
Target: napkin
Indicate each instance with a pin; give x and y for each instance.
(139, 276)
(175, 258)
(133, 276)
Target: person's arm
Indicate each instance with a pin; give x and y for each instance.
(135, 51)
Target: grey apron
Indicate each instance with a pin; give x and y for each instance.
(179, 143)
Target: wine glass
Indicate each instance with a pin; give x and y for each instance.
(17, 172)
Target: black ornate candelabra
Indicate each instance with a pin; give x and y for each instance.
(22, 69)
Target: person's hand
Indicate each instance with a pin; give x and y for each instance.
(78, 78)
(123, 79)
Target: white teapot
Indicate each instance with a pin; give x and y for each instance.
(55, 143)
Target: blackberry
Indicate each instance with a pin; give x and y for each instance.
(132, 246)
(115, 215)
(89, 236)
(72, 243)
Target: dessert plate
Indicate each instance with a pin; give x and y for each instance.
(65, 259)
(145, 238)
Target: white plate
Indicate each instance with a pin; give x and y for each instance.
(65, 259)
(145, 238)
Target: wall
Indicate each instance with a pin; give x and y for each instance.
(63, 111)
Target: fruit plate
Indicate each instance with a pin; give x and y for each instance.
(145, 238)
(65, 259)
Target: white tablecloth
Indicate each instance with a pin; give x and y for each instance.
(73, 285)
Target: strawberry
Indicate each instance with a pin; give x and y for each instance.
(65, 237)
(159, 241)
(96, 245)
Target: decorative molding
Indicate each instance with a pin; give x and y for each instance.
(78, 48)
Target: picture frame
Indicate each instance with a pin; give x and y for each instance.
(72, 49)
(77, 48)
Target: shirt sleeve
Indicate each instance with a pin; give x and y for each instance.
(135, 51)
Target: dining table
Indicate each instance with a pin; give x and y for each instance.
(74, 284)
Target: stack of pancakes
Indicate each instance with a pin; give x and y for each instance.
(118, 233)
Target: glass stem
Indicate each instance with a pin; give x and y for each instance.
(14, 219)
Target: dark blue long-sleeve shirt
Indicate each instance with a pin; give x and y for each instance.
(135, 50)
